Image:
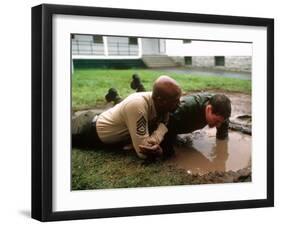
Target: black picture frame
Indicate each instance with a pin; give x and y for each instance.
(42, 107)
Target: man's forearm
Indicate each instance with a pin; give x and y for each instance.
(157, 135)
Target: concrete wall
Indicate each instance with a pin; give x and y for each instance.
(178, 60)
(243, 63)
(203, 61)
(232, 63)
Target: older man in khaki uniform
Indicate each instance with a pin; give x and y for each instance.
(139, 119)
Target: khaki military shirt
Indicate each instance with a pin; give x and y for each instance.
(134, 119)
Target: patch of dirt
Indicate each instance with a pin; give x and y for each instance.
(242, 175)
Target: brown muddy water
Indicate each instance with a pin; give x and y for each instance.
(208, 154)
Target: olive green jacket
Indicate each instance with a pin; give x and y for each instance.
(190, 116)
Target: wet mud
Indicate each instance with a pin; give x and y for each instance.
(243, 175)
(241, 115)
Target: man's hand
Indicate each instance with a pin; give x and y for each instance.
(184, 141)
(151, 151)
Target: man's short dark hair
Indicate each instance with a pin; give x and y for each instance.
(221, 105)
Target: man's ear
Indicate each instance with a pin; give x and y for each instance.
(209, 108)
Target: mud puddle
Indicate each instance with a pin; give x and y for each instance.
(207, 154)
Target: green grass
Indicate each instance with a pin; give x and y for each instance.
(99, 169)
(89, 86)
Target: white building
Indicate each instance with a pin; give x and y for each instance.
(211, 54)
(124, 52)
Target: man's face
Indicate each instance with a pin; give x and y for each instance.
(171, 104)
(168, 102)
(212, 119)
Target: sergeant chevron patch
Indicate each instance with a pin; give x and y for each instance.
(141, 126)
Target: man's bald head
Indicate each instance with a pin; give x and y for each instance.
(165, 88)
(166, 94)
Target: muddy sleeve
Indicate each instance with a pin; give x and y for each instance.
(222, 131)
(136, 118)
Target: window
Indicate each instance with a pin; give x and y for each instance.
(133, 41)
(219, 61)
(188, 60)
(72, 36)
(98, 39)
(186, 41)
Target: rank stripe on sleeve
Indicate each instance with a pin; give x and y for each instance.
(141, 126)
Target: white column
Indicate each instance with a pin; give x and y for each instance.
(105, 46)
(140, 47)
(162, 43)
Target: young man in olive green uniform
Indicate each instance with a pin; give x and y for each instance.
(195, 112)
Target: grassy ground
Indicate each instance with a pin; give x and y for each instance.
(90, 86)
(97, 169)
(100, 169)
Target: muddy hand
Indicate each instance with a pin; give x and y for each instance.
(151, 151)
(184, 141)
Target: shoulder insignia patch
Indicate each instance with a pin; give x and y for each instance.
(141, 126)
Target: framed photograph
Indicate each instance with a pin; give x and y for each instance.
(146, 112)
